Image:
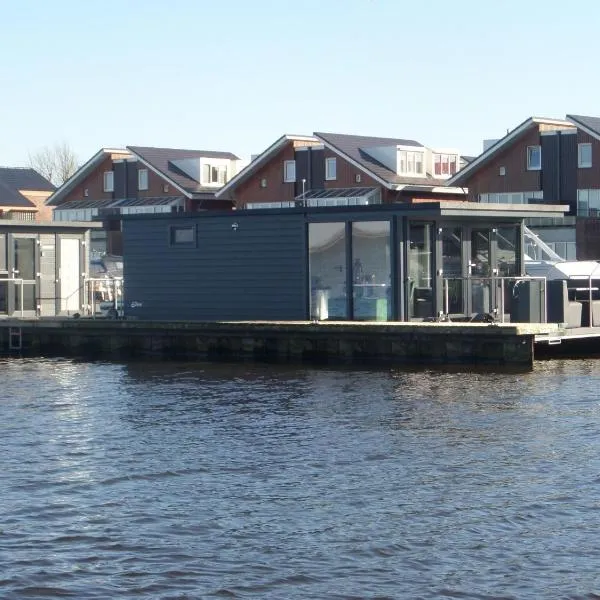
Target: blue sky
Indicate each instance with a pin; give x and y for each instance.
(235, 75)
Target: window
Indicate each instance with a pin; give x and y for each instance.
(330, 169)
(182, 235)
(289, 171)
(109, 181)
(214, 174)
(588, 203)
(584, 156)
(444, 164)
(143, 179)
(410, 163)
(534, 158)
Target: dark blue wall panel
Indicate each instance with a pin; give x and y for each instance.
(254, 271)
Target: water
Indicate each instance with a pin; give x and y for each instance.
(181, 481)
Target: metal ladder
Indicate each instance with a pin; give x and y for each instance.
(15, 338)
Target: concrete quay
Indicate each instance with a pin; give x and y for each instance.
(373, 343)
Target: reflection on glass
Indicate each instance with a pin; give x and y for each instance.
(24, 259)
(420, 270)
(327, 267)
(371, 270)
(3, 296)
(507, 242)
(480, 271)
(452, 270)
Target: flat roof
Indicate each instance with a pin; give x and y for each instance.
(15, 224)
(444, 208)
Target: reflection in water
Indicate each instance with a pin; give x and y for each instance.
(191, 480)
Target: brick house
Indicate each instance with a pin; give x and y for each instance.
(327, 169)
(548, 161)
(23, 192)
(137, 179)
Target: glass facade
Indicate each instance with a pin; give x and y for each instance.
(371, 271)
(420, 270)
(452, 269)
(327, 268)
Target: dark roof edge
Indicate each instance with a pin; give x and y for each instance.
(251, 167)
(160, 173)
(85, 169)
(458, 179)
(575, 119)
(341, 153)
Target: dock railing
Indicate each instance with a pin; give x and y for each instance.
(500, 296)
(103, 296)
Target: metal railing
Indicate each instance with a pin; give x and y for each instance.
(497, 286)
(103, 295)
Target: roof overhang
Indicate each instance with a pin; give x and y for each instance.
(83, 171)
(462, 176)
(573, 120)
(450, 208)
(259, 161)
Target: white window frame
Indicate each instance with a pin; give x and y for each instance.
(289, 171)
(109, 181)
(331, 168)
(581, 163)
(530, 165)
(142, 180)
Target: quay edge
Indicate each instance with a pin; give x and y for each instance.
(344, 342)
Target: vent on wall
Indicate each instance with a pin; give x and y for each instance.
(357, 178)
(86, 192)
(165, 188)
(502, 171)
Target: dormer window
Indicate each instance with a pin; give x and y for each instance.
(444, 164)
(214, 174)
(410, 163)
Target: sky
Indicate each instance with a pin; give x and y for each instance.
(235, 75)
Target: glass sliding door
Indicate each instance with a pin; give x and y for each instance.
(420, 267)
(327, 269)
(23, 271)
(371, 271)
(3, 276)
(480, 271)
(452, 270)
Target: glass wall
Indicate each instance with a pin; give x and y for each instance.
(371, 271)
(481, 285)
(327, 268)
(420, 270)
(452, 241)
(24, 260)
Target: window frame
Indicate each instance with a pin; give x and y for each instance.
(287, 176)
(108, 176)
(142, 173)
(530, 166)
(172, 233)
(580, 163)
(330, 160)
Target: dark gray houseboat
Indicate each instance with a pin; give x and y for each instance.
(400, 262)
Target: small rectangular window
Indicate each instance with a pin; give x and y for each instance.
(182, 235)
(143, 179)
(330, 169)
(534, 158)
(109, 181)
(584, 156)
(289, 171)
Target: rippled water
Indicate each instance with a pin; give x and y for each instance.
(185, 481)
